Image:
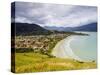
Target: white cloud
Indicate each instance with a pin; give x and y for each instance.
(55, 14)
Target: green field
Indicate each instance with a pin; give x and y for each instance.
(36, 62)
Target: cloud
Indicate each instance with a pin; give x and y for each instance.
(55, 14)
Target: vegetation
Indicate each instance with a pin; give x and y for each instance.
(36, 62)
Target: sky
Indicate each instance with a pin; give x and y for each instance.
(59, 15)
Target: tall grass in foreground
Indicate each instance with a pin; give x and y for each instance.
(35, 62)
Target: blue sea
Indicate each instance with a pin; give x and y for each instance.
(85, 47)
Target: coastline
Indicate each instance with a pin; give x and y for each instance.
(63, 50)
(70, 52)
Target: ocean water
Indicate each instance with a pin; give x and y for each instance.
(85, 47)
(77, 47)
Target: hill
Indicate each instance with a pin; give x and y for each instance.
(29, 29)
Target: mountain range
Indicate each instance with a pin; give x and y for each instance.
(87, 27)
(35, 29)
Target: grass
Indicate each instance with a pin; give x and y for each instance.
(36, 62)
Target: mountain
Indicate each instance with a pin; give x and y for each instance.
(87, 27)
(54, 28)
(29, 29)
